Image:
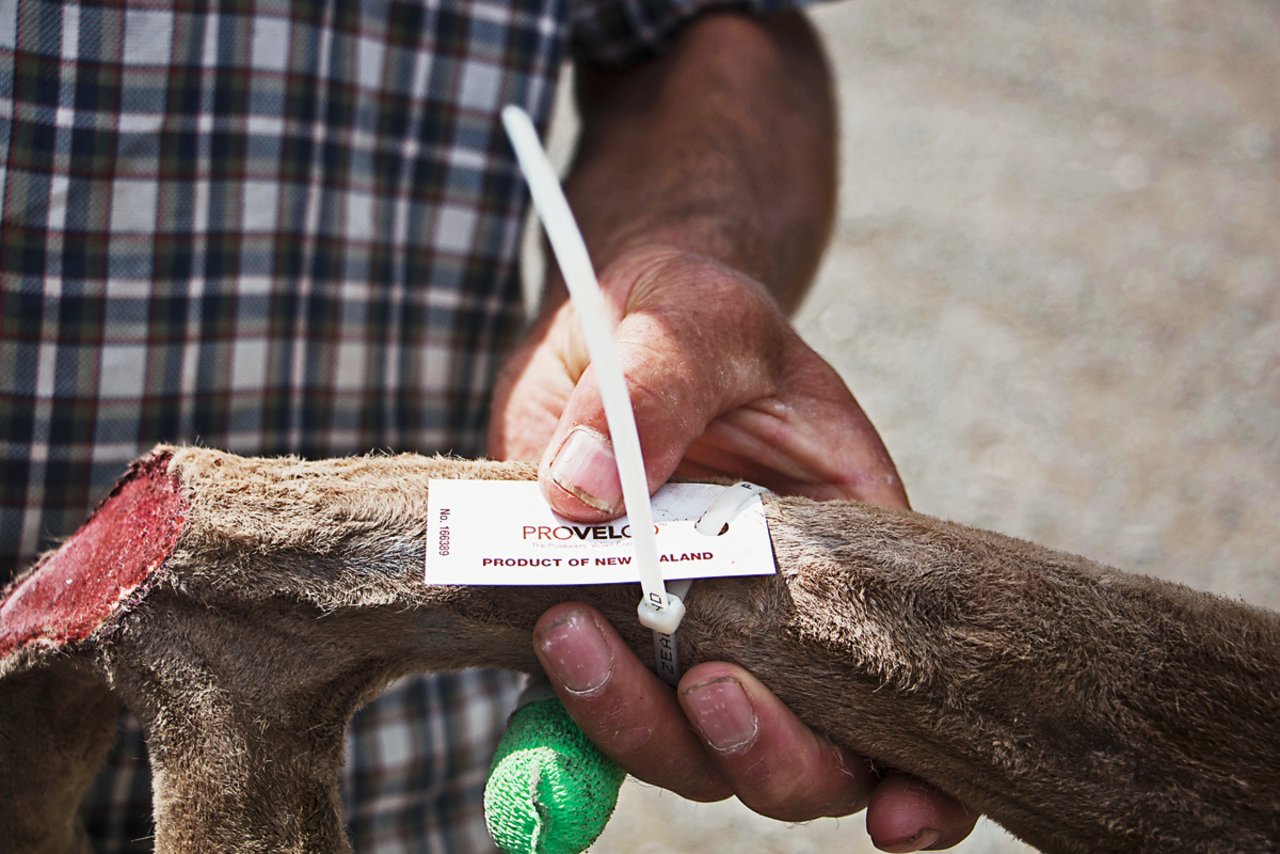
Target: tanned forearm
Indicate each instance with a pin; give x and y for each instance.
(724, 145)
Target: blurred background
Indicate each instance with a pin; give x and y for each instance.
(1054, 285)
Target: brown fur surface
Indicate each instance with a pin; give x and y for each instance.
(1082, 708)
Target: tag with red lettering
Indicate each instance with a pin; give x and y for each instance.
(503, 532)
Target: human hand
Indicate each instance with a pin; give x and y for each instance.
(724, 733)
(721, 385)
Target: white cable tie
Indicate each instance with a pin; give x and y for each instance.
(658, 609)
(666, 654)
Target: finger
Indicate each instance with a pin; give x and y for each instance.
(712, 456)
(778, 766)
(529, 394)
(906, 814)
(816, 433)
(849, 450)
(622, 707)
(673, 395)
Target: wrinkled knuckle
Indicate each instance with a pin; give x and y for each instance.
(805, 795)
(705, 791)
(673, 392)
(783, 797)
(650, 393)
(628, 739)
(703, 785)
(784, 810)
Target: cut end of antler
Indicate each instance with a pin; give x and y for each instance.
(75, 589)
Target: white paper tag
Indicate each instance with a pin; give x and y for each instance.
(503, 532)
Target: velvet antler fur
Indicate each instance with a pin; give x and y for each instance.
(1082, 708)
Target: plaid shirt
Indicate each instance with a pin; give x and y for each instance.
(274, 227)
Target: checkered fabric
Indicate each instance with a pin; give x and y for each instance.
(274, 227)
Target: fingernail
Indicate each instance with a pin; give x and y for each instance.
(585, 467)
(927, 837)
(723, 714)
(576, 653)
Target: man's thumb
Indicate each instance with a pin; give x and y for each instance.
(579, 473)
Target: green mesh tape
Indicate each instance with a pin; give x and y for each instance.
(550, 790)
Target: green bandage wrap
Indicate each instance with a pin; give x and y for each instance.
(550, 790)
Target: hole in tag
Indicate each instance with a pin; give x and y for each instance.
(716, 519)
